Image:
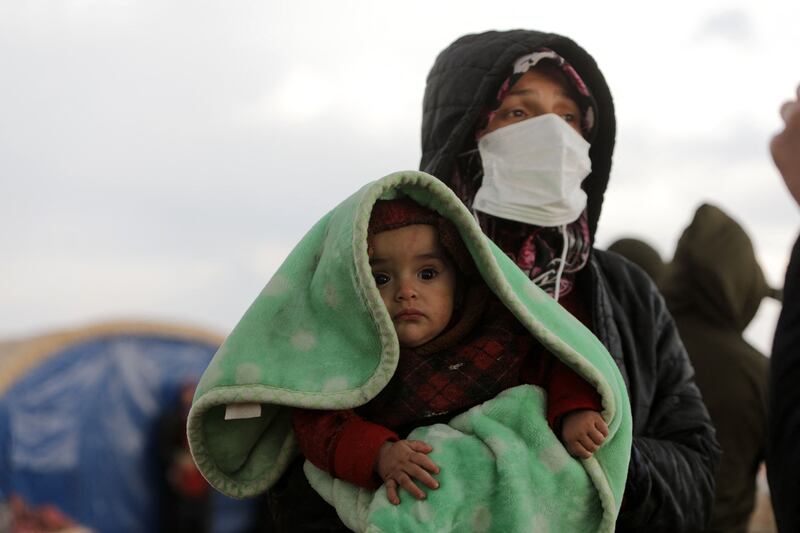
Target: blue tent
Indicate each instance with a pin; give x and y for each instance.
(78, 415)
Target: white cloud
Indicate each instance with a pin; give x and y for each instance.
(303, 95)
(733, 25)
(762, 329)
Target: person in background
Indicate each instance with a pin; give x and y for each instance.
(783, 450)
(713, 288)
(520, 124)
(643, 255)
(186, 507)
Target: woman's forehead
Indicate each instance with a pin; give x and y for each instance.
(537, 81)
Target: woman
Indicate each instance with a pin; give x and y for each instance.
(520, 124)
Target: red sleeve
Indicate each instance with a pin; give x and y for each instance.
(567, 392)
(341, 443)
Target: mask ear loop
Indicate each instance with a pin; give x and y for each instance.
(563, 262)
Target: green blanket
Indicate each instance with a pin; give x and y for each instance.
(319, 336)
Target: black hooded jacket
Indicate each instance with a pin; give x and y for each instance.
(783, 450)
(670, 484)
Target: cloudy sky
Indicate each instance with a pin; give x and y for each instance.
(159, 159)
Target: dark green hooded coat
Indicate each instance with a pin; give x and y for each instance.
(714, 288)
(641, 254)
(670, 481)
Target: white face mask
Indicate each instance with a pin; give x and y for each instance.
(532, 172)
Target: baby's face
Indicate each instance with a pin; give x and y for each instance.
(416, 280)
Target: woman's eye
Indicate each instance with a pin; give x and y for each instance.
(516, 113)
(569, 117)
(381, 279)
(428, 274)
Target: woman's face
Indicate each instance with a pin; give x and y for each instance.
(539, 91)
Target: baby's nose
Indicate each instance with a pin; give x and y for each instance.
(406, 290)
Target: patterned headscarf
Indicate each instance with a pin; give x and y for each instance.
(581, 93)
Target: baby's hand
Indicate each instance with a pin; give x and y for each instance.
(400, 461)
(583, 432)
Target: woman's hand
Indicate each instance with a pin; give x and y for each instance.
(399, 462)
(582, 432)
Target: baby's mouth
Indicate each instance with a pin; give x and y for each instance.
(409, 314)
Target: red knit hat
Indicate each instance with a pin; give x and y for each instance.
(395, 214)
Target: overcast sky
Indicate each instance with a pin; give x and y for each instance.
(159, 159)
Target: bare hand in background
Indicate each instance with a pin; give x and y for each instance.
(785, 146)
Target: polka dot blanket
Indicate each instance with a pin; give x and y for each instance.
(319, 336)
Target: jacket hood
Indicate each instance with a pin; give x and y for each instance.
(715, 272)
(466, 77)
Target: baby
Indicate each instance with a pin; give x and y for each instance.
(459, 347)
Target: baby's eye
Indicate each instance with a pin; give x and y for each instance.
(428, 274)
(380, 278)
